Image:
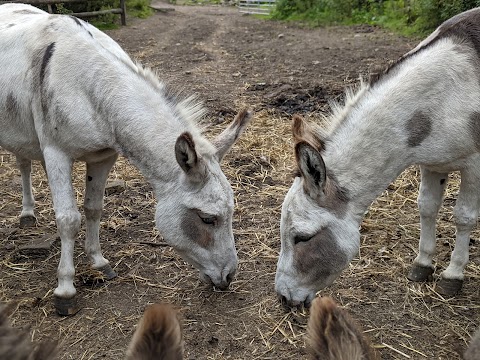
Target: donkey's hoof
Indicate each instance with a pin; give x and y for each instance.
(66, 307)
(108, 272)
(449, 287)
(420, 273)
(27, 221)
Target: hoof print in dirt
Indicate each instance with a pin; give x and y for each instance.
(36, 249)
(115, 187)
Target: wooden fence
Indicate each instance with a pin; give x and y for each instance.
(122, 10)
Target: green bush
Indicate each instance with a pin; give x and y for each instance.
(406, 16)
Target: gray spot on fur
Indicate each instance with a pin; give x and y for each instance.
(11, 105)
(336, 197)
(320, 256)
(28, 12)
(195, 230)
(418, 128)
(46, 59)
(474, 127)
(79, 23)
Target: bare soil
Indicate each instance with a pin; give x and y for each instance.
(231, 60)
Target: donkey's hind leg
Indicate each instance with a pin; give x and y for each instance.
(465, 213)
(27, 216)
(97, 174)
(432, 186)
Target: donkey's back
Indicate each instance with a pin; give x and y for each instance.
(45, 98)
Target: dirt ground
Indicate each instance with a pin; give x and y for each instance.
(231, 60)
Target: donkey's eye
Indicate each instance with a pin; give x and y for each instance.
(301, 238)
(209, 220)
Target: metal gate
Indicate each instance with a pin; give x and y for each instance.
(263, 7)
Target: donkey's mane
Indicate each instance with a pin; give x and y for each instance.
(463, 27)
(186, 107)
(339, 111)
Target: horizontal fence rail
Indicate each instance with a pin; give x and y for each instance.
(263, 7)
(122, 10)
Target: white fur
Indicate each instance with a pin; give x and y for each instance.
(92, 104)
(366, 149)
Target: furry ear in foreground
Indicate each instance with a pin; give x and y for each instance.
(334, 335)
(15, 344)
(158, 335)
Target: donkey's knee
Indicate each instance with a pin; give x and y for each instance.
(465, 217)
(92, 214)
(68, 223)
(428, 205)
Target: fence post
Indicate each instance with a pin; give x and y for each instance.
(123, 15)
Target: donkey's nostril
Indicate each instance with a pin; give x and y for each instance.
(230, 277)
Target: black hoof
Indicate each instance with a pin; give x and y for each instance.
(28, 221)
(108, 272)
(449, 287)
(66, 307)
(420, 273)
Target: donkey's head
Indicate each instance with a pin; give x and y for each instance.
(196, 216)
(319, 237)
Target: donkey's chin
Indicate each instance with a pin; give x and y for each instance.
(297, 295)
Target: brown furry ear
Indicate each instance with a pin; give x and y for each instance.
(15, 344)
(334, 335)
(158, 335)
(473, 350)
(230, 135)
(303, 132)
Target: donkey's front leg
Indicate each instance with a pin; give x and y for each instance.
(59, 170)
(27, 216)
(96, 178)
(430, 197)
(465, 213)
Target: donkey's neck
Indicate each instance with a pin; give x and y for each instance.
(387, 127)
(366, 155)
(146, 124)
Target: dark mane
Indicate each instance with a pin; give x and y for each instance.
(464, 27)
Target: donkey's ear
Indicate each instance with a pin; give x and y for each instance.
(187, 157)
(299, 127)
(302, 131)
(229, 136)
(312, 168)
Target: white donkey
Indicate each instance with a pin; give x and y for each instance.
(69, 92)
(425, 110)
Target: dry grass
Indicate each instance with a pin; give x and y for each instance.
(398, 315)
